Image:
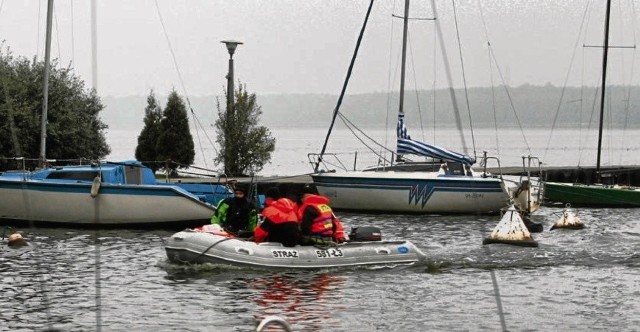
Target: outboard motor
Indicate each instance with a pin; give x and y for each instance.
(365, 233)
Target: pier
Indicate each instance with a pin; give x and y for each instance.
(621, 175)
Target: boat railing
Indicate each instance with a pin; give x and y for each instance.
(484, 161)
(329, 162)
(30, 164)
(528, 164)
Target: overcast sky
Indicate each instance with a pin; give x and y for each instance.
(304, 46)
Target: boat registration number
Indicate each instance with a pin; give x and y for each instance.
(285, 253)
(330, 253)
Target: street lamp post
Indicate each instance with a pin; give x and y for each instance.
(231, 47)
(229, 162)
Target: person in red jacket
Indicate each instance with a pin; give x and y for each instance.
(280, 222)
(318, 224)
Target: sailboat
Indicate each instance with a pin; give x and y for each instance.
(100, 193)
(596, 194)
(446, 183)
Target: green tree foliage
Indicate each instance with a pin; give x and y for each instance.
(74, 128)
(148, 138)
(245, 147)
(175, 142)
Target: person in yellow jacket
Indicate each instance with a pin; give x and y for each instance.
(318, 224)
(237, 214)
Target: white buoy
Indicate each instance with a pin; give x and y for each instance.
(569, 219)
(511, 230)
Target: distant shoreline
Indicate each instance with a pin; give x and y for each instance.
(535, 107)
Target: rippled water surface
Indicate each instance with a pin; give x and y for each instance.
(575, 280)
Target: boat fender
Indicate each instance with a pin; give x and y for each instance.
(95, 187)
(365, 233)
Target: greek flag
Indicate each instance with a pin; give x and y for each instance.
(408, 146)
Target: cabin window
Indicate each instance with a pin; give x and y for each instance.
(456, 168)
(133, 175)
(81, 176)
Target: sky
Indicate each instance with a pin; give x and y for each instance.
(305, 46)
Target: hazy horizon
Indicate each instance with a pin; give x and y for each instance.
(302, 47)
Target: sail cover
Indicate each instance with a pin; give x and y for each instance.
(408, 146)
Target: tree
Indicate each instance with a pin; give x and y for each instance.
(175, 142)
(74, 128)
(148, 138)
(245, 147)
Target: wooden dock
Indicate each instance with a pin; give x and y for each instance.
(622, 175)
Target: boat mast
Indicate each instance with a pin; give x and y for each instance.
(94, 45)
(405, 30)
(45, 87)
(405, 20)
(605, 53)
(344, 88)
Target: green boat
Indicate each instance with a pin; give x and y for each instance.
(592, 194)
(598, 194)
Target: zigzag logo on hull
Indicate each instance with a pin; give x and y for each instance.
(420, 193)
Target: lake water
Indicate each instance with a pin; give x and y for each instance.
(121, 280)
(575, 280)
(560, 148)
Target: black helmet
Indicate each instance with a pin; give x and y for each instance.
(309, 189)
(273, 192)
(241, 187)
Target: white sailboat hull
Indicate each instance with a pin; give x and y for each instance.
(412, 192)
(113, 205)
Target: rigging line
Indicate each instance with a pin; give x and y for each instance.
(344, 87)
(73, 44)
(627, 106)
(566, 80)
(195, 119)
(389, 81)
(493, 92)
(38, 30)
(350, 124)
(415, 82)
(447, 69)
(506, 90)
(464, 82)
(596, 92)
(175, 63)
(55, 16)
(492, 56)
(173, 55)
(493, 102)
(435, 80)
(351, 127)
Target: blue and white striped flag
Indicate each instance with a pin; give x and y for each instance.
(408, 146)
(402, 129)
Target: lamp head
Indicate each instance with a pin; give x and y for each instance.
(231, 45)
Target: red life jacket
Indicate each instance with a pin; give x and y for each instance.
(280, 210)
(323, 223)
(277, 211)
(339, 234)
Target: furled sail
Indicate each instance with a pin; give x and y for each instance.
(408, 146)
